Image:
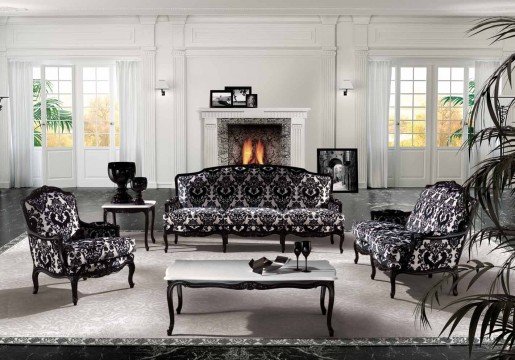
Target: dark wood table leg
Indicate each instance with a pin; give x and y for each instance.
(179, 297)
(105, 216)
(152, 224)
(169, 296)
(322, 299)
(146, 229)
(165, 238)
(114, 217)
(330, 287)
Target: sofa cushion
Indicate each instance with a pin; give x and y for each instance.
(313, 219)
(392, 247)
(90, 251)
(365, 231)
(440, 210)
(254, 219)
(195, 218)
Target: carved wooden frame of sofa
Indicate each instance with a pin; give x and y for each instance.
(253, 200)
(425, 241)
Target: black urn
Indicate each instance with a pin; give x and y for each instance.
(121, 173)
(138, 185)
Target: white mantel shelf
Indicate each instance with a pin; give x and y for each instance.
(210, 117)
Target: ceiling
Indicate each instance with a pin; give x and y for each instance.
(474, 8)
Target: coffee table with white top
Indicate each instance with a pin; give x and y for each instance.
(237, 275)
(150, 206)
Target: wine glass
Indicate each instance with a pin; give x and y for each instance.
(306, 250)
(297, 250)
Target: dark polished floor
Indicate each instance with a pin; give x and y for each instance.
(355, 207)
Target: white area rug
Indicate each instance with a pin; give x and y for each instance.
(108, 308)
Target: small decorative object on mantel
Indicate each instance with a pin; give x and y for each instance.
(121, 173)
(263, 266)
(252, 100)
(220, 99)
(138, 185)
(239, 95)
(342, 165)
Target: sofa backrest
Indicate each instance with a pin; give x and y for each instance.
(278, 187)
(50, 211)
(441, 209)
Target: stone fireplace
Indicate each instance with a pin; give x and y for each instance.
(254, 136)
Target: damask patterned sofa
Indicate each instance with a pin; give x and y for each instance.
(253, 200)
(63, 246)
(425, 241)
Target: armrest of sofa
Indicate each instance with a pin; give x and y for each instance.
(389, 215)
(97, 229)
(47, 252)
(172, 204)
(437, 252)
(334, 204)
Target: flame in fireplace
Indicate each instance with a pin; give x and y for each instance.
(253, 154)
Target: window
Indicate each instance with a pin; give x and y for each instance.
(53, 92)
(412, 105)
(99, 110)
(450, 106)
(392, 117)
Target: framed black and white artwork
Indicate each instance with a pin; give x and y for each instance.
(252, 100)
(220, 98)
(239, 95)
(342, 165)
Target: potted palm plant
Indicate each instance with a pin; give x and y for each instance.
(490, 315)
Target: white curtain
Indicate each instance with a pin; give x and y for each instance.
(379, 73)
(129, 90)
(21, 123)
(483, 70)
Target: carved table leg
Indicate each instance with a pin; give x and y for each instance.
(170, 307)
(330, 287)
(165, 237)
(179, 297)
(74, 280)
(146, 229)
(342, 238)
(322, 299)
(153, 210)
(332, 239)
(105, 216)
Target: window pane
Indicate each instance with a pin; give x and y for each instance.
(59, 104)
(97, 107)
(65, 73)
(392, 110)
(406, 73)
(406, 87)
(420, 73)
(450, 104)
(413, 107)
(51, 73)
(444, 73)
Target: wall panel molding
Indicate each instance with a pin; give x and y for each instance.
(328, 98)
(179, 110)
(148, 82)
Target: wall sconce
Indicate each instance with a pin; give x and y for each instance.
(162, 85)
(1, 98)
(346, 86)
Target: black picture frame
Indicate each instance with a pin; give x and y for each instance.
(239, 95)
(342, 165)
(215, 102)
(251, 101)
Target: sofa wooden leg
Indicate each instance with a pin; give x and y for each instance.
(332, 239)
(393, 275)
(225, 241)
(372, 265)
(165, 238)
(283, 242)
(74, 280)
(342, 238)
(356, 254)
(132, 268)
(176, 239)
(455, 276)
(430, 276)
(35, 280)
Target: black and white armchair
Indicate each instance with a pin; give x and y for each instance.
(427, 240)
(63, 246)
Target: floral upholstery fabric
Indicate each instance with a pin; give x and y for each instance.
(106, 267)
(365, 231)
(254, 219)
(392, 247)
(303, 220)
(441, 209)
(91, 251)
(273, 187)
(45, 254)
(52, 213)
(195, 218)
(436, 254)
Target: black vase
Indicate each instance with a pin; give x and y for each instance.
(121, 173)
(138, 185)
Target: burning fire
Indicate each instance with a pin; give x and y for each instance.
(253, 154)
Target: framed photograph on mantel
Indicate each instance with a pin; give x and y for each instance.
(220, 99)
(252, 100)
(239, 95)
(342, 165)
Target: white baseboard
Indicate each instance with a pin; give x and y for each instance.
(165, 185)
(4, 185)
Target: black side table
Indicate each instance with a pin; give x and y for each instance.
(150, 206)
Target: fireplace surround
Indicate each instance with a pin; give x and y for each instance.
(281, 129)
